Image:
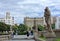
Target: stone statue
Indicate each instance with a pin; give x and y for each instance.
(49, 32)
(47, 16)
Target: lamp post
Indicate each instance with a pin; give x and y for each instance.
(11, 32)
(11, 28)
(35, 29)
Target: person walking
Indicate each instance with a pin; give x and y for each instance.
(31, 32)
(27, 34)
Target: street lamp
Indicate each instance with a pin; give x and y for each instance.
(34, 27)
(11, 32)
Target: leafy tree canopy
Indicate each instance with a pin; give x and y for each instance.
(4, 27)
(40, 28)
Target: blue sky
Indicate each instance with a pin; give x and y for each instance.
(32, 8)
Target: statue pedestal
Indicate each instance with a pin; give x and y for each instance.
(50, 36)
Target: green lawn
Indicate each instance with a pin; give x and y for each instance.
(42, 37)
(58, 39)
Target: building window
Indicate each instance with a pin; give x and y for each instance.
(59, 25)
(8, 21)
(7, 17)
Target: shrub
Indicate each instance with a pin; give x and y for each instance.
(40, 28)
(21, 33)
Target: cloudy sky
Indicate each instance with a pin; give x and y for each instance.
(32, 8)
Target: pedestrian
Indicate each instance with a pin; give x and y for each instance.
(27, 34)
(31, 32)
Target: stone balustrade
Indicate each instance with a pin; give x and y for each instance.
(57, 32)
(4, 37)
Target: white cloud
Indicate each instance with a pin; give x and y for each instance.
(32, 8)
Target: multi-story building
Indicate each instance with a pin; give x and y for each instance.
(53, 20)
(30, 21)
(57, 24)
(39, 21)
(7, 19)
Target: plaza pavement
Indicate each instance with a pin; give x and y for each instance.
(21, 38)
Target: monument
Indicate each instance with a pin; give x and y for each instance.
(47, 16)
(50, 35)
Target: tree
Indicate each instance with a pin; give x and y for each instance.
(8, 27)
(22, 27)
(4, 27)
(53, 26)
(15, 28)
(40, 28)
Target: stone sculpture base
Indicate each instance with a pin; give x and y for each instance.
(50, 36)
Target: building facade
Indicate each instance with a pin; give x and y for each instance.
(57, 24)
(30, 21)
(7, 19)
(39, 21)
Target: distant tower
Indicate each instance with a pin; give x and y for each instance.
(13, 20)
(7, 15)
